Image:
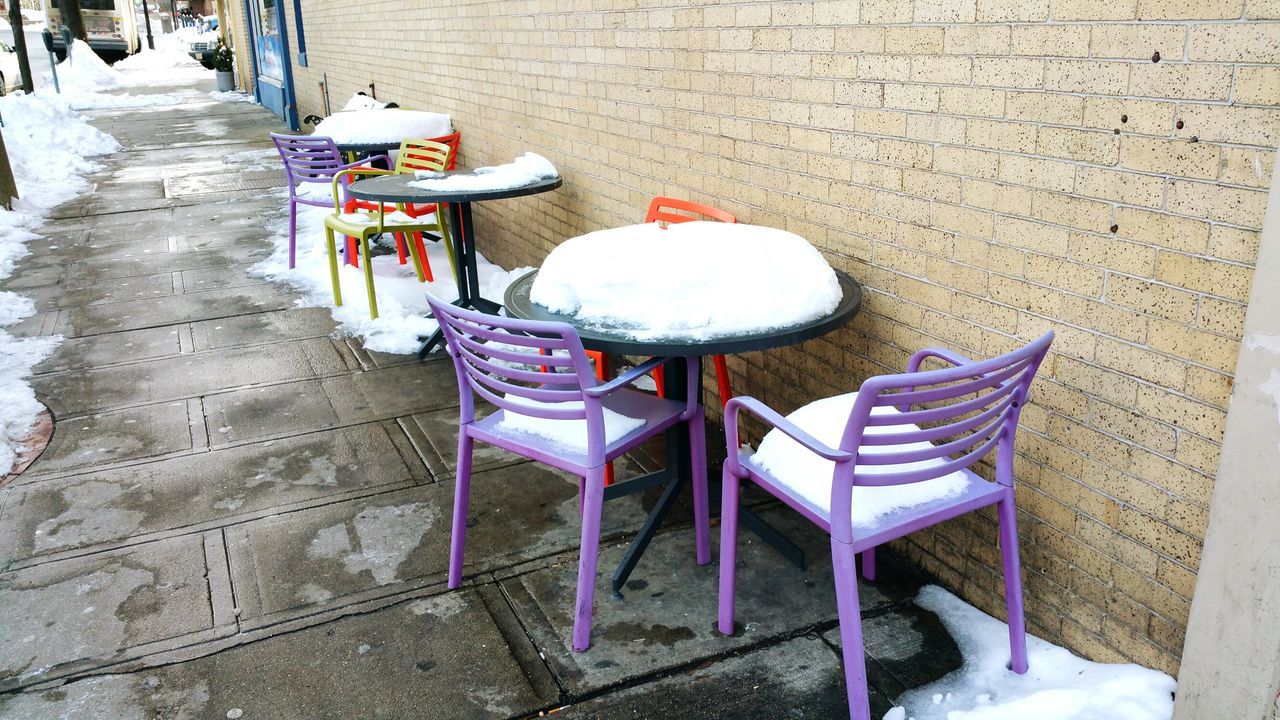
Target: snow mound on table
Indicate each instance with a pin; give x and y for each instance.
(694, 280)
(796, 467)
(383, 126)
(402, 300)
(527, 169)
(570, 434)
(1058, 685)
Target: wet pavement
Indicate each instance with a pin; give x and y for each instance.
(241, 514)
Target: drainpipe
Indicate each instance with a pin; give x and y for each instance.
(253, 50)
(286, 62)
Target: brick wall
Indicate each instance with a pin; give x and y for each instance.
(988, 169)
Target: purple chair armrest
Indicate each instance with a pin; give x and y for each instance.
(775, 419)
(625, 378)
(950, 356)
(366, 161)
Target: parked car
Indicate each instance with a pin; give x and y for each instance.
(202, 51)
(10, 78)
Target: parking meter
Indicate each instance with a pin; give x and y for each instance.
(65, 32)
(47, 36)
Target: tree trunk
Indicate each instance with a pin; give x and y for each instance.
(8, 188)
(20, 46)
(72, 18)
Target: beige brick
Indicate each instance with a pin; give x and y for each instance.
(1106, 318)
(1152, 367)
(1055, 108)
(1162, 229)
(884, 67)
(1037, 172)
(885, 11)
(977, 102)
(1050, 40)
(1258, 85)
(913, 40)
(859, 94)
(1264, 9)
(1205, 348)
(965, 161)
(1008, 72)
(1071, 211)
(967, 221)
(1100, 148)
(1014, 137)
(1012, 10)
(1026, 296)
(1190, 9)
(1209, 387)
(941, 69)
(1230, 243)
(1034, 236)
(835, 12)
(1245, 42)
(945, 11)
(1159, 300)
(1138, 41)
(976, 40)
(1221, 316)
(1252, 126)
(921, 98)
(1214, 202)
(1088, 76)
(1144, 117)
(1066, 275)
(1124, 187)
(936, 128)
(1114, 254)
(860, 39)
(1180, 80)
(1170, 157)
(1095, 10)
(931, 185)
(1162, 538)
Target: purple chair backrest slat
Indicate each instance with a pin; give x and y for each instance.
(501, 360)
(973, 407)
(307, 158)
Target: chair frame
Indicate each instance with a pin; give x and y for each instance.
(310, 159)
(1001, 383)
(555, 368)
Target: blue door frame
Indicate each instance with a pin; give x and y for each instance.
(269, 51)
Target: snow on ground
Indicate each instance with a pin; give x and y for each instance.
(524, 170)
(402, 301)
(689, 280)
(376, 126)
(1058, 685)
(232, 96)
(49, 148)
(84, 78)
(796, 467)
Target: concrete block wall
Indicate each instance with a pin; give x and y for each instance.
(988, 169)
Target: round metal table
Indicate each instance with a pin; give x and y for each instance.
(396, 189)
(617, 339)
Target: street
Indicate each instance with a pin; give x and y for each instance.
(35, 50)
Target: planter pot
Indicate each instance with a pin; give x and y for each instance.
(226, 80)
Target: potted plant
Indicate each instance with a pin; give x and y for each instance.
(223, 61)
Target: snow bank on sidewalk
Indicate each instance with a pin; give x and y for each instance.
(1058, 685)
(402, 299)
(84, 78)
(49, 149)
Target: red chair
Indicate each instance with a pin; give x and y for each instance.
(406, 162)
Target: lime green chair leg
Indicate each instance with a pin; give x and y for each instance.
(333, 267)
(368, 275)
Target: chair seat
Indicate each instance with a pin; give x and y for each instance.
(365, 223)
(790, 468)
(656, 415)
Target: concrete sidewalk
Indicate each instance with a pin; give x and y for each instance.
(241, 515)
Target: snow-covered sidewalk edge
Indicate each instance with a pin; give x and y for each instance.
(19, 408)
(1057, 686)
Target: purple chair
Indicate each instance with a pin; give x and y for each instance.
(972, 408)
(310, 159)
(539, 372)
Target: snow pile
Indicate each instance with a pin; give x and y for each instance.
(168, 55)
(383, 126)
(18, 404)
(84, 79)
(360, 101)
(84, 71)
(1058, 685)
(796, 467)
(402, 300)
(527, 169)
(689, 280)
(49, 148)
(232, 96)
(570, 434)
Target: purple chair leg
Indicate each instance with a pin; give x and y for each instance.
(855, 668)
(461, 498)
(701, 513)
(293, 230)
(1013, 585)
(728, 549)
(869, 564)
(588, 555)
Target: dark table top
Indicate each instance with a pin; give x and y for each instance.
(374, 148)
(396, 189)
(615, 339)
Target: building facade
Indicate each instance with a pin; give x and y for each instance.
(987, 169)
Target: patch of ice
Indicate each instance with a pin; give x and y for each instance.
(383, 126)
(731, 278)
(524, 170)
(810, 476)
(1058, 685)
(571, 434)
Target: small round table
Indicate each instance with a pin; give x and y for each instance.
(616, 339)
(396, 189)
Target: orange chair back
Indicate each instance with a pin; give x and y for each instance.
(662, 209)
